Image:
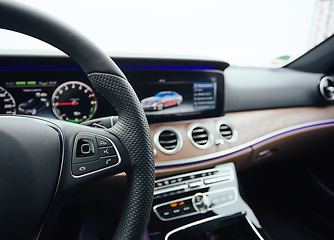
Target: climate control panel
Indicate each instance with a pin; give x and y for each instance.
(208, 190)
(196, 204)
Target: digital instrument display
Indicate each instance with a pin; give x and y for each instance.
(73, 101)
(165, 95)
(169, 95)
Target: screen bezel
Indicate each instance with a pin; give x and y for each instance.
(136, 77)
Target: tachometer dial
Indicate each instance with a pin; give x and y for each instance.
(74, 101)
(7, 102)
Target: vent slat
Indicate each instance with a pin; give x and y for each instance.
(169, 147)
(226, 131)
(168, 140)
(200, 130)
(200, 136)
(163, 134)
(202, 142)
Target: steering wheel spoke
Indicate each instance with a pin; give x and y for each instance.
(92, 152)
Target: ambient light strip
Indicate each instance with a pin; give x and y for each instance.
(224, 153)
(9, 68)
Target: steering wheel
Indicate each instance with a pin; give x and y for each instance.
(43, 161)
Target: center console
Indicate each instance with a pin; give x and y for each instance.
(202, 205)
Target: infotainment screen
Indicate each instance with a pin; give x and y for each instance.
(169, 95)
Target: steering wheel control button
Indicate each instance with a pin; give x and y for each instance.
(93, 153)
(107, 151)
(85, 148)
(103, 142)
(109, 161)
(81, 169)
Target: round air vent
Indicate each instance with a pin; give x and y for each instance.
(200, 136)
(168, 140)
(226, 132)
(326, 87)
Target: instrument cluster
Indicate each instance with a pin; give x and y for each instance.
(73, 101)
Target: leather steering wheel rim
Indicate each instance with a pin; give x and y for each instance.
(132, 128)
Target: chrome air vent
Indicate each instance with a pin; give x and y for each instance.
(326, 87)
(226, 132)
(168, 140)
(200, 136)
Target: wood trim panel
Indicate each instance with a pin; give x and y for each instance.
(250, 125)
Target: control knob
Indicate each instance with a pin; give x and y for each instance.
(201, 202)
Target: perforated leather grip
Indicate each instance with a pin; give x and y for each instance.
(133, 131)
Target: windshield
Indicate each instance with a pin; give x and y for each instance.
(250, 33)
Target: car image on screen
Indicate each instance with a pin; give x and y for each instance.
(162, 100)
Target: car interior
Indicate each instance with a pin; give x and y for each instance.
(90, 150)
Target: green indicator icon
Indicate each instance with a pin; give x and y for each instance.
(31, 83)
(20, 83)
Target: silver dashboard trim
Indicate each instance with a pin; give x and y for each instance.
(254, 229)
(234, 131)
(322, 86)
(178, 136)
(204, 221)
(170, 189)
(227, 171)
(210, 136)
(242, 146)
(211, 219)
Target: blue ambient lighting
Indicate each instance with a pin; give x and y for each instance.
(122, 67)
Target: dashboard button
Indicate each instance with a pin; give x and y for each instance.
(186, 209)
(215, 202)
(166, 214)
(176, 211)
(173, 181)
(102, 142)
(216, 179)
(195, 184)
(107, 151)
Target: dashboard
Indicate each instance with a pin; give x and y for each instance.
(200, 112)
(208, 122)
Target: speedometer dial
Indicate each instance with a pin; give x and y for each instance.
(7, 102)
(74, 101)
